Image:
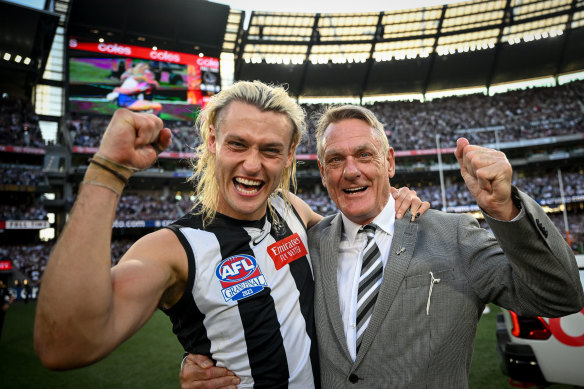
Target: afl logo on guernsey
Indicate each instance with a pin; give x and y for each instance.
(240, 277)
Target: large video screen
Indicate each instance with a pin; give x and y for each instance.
(171, 85)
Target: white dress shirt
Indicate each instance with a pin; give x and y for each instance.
(350, 259)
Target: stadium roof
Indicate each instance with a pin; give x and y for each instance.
(179, 25)
(26, 35)
(463, 45)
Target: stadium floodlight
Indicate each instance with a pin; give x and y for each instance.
(17, 59)
(7, 56)
(101, 40)
(154, 48)
(27, 61)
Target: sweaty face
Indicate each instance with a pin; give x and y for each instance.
(355, 170)
(252, 148)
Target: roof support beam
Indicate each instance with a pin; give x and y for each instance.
(506, 21)
(565, 37)
(433, 55)
(240, 51)
(378, 35)
(314, 38)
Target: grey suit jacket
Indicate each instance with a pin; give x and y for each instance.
(403, 346)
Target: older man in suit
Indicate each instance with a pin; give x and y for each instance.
(408, 319)
(397, 302)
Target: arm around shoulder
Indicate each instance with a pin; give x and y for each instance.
(308, 216)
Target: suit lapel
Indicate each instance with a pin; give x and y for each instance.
(400, 255)
(329, 254)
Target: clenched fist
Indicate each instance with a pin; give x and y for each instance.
(134, 139)
(487, 174)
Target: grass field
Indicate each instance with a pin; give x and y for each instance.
(151, 358)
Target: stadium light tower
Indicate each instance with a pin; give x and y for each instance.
(566, 225)
(441, 170)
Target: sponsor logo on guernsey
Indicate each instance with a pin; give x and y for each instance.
(287, 250)
(240, 277)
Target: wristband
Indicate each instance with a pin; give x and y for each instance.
(117, 174)
(108, 161)
(107, 174)
(98, 183)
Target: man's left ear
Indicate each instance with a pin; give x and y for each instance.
(212, 142)
(390, 163)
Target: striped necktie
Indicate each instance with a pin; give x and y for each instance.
(369, 282)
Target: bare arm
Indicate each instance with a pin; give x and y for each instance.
(85, 309)
(308, 216)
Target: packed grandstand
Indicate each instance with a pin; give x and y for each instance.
(541, 129)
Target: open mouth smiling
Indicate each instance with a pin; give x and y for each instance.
(247, 186)
(355, 190)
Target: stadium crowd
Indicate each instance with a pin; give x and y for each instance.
(543, 187)
(21, 175)
(19, 126)
(86, 131)
(31, 259)
(147, 207)
(519, 115)
(525, 114)
(22, 212)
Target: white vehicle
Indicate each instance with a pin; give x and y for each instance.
(540, 350)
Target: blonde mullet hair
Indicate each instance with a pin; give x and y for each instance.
(266, 98)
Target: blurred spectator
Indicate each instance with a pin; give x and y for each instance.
(19, 126)
(29, 259)
(21, 175)
(524, 114)
(146, 207)
(22, 212)
(6, 299)
(87, 130)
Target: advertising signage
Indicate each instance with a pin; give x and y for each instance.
(145, 53)
(106, 76)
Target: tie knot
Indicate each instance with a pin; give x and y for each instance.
(369, 229)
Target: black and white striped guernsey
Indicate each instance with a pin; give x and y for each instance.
(239, 309)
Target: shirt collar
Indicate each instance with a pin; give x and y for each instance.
(385, 221)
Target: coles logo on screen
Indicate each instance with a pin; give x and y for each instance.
(240, 277)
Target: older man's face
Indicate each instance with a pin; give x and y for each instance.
(355, 170)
